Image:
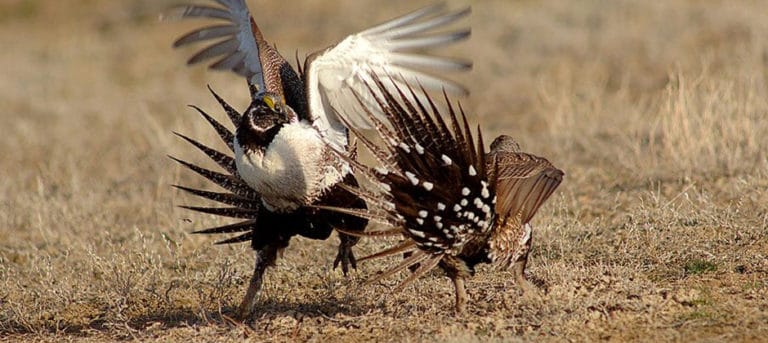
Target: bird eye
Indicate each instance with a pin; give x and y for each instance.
(274, 104)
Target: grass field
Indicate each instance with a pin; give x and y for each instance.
(656, 110)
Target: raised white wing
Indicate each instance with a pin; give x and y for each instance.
(238, 51)
(393, 51)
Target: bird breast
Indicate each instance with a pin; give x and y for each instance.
(294, 169)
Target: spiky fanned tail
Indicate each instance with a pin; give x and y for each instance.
(244, 201)
(432, 173)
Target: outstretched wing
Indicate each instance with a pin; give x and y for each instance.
(243, 49)
(238, 50)
(391, 50)
(523, 182)
(332, 77)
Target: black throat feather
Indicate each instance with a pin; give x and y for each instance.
(258, 127)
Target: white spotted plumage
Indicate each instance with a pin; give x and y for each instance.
(412, 177)
(447, 160)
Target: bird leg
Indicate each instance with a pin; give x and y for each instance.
(265, 257)
(461, 293)
(340, 197)
(518, 268)
(519, 272)
(345, 255)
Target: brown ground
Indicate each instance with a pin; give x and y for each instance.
(656, 110)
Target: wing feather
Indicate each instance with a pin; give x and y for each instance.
(405, 19)
(205, 33)
(393, 50)
(404, 30)
(434, 62)
(239, 52)
(201, 11)
(523, 183)
(426, 42)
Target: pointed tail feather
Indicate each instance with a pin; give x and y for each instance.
(247, 225)
(232, 212)
(224, 198)
(226, 136)
(224, 161)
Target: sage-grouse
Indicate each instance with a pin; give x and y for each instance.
(284, 161)
(455, 205)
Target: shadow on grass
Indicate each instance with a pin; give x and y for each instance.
(264, 312)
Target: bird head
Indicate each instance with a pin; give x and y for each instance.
(505, 143)
(262, 121)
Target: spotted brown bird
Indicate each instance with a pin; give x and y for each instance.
(454, 204)
(283, 161)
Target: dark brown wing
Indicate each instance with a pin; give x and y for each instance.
(523, 182)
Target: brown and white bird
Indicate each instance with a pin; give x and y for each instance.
(455, 205)
(284, 144)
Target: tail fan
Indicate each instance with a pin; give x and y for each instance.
(244, 201)
(432, 173)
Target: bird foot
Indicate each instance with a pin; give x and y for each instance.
(346, 258)
(529, 289)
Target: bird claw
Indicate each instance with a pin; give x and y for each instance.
(346, 258)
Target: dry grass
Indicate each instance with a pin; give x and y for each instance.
(656, 111)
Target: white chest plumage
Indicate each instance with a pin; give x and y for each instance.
(295, 169)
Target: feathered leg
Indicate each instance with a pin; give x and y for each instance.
(461, 293)
(518, 269)
(265, 258)
(458, 271)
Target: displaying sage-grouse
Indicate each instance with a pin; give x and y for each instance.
(455, 205)
(284, 162)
